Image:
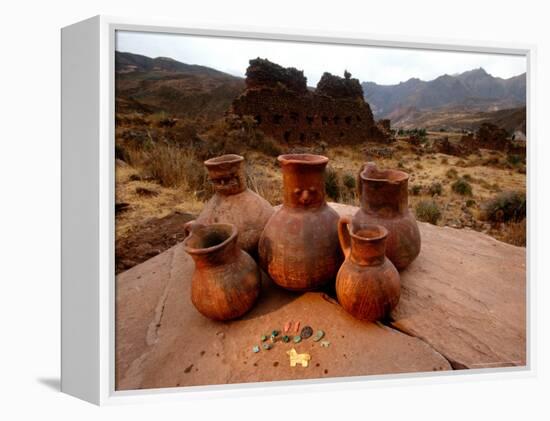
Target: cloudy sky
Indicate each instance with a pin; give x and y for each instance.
(381, 65)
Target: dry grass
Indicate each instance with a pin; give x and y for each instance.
(179, 175)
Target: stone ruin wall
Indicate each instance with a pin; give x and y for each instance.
(287, 110)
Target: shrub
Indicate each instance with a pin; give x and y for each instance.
(349, 181)
(451, 173)
(416, 189)
(428, 211)
(514, 159)
(462, 187)
(444, 160)
(505, 206)
(468, 177)
(332, 184)
(470, 203)
(435, 189)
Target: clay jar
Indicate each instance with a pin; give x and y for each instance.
(234, 203)
(226, 280)
(299, 246)
(367, 285)
(384, 201)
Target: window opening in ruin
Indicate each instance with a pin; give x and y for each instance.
(294, 117)
(287, 136)
(324, 120)
(358, 118)
(302, 137)
(258, 119)
(348, 119)
(317, 135)
(277, 119)
(336, 119)
(309, 120)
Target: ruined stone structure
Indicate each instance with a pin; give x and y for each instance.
(488, 136)
(282, 105)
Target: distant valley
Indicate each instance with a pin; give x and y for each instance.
(445, 101)
(449, 102)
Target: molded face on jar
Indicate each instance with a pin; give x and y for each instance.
(227, 173)
(303, 180)
(299, 245)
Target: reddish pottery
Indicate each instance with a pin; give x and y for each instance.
(385, 201)
(368, 284)
(299, 246)
(226, 280)
(234, 203)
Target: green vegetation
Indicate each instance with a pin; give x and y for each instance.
(505, 206)
(428, 211)
(435, 189)
(416, 189)
(462, 187)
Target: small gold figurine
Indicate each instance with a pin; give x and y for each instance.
(296, 358)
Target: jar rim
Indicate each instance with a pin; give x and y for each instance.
(302, 159)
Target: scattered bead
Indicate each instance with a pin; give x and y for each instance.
(287, 327)
(307, 331)
(264, 338)
(319, 335)
(297, 327)
(286, 339)
(325, 344)
(266, 346)
(275, 333)
(255, 349)
(297, 339)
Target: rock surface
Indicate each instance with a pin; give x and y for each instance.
(464, 297)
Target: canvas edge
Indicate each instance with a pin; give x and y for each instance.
(80, 243)
(108, 25)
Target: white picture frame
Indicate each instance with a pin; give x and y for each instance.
(88, 276)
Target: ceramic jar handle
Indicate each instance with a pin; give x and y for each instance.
(343, 235)
(191, 226)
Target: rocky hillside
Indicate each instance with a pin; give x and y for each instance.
(145, 84)
(474, 90)
(459, 118)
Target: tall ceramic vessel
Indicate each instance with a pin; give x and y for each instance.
(299, 246)
(234, 203)
(385, 201)
(226, 280)
(368, 284)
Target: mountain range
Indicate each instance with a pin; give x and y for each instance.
(471, 91)
(461, 101)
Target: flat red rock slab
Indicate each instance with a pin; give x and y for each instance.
(465, 295)
(162, 341)
(475, 316)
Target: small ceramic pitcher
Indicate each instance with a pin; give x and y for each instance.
(226, 280)
(384, 201)
(367, 284)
